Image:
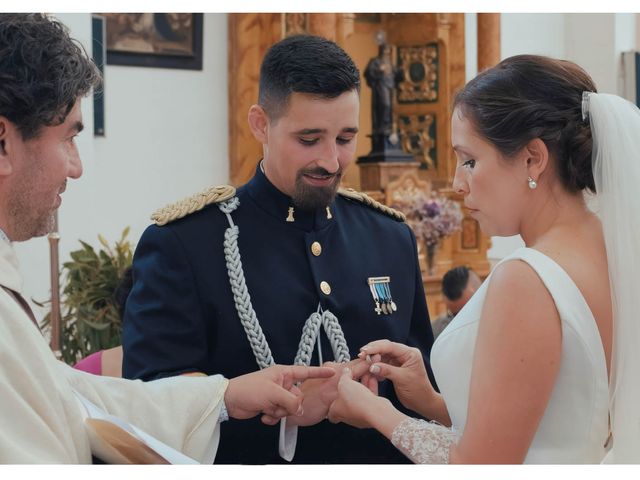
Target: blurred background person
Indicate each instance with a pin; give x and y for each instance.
(458, 285)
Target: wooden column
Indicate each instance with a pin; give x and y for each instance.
(323, 25)
(488, 40)
(345, 27)
(250, 35)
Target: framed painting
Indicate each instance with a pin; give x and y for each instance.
(161, 40)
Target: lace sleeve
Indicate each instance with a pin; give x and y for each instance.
(422, 441)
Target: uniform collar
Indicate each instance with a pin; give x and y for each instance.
(278, 205)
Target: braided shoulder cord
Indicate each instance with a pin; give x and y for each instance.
(310, 333)
(336, 337)
(241, 296)
(307, 341)
(248, 317)
(192, 204)
(371, 203)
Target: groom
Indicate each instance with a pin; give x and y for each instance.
(300, 257)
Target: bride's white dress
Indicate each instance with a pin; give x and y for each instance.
(574, 427)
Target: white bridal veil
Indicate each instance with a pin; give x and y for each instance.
(615, 125)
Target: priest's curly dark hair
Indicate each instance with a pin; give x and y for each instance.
(43, 72)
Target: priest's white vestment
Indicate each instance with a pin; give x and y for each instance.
(41, 420)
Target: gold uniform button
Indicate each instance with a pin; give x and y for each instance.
(325, 287)
(316, 249)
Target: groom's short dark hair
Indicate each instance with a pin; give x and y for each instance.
(304, 64)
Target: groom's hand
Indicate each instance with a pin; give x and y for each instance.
(270, 391)
(320, 393)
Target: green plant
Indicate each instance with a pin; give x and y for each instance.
(91, 319)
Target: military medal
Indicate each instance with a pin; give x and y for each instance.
(383, 296)
(381, 293)
(392, 304)
(374, 293)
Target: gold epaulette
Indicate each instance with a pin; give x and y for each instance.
(192, 204)
(370, 202)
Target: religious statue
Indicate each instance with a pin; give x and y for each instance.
(381, 75)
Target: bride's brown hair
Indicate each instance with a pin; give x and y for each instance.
(530, 96)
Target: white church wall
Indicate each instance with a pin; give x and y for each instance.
(596, 40)
(535, 33)
(625, 40)
(590, 39)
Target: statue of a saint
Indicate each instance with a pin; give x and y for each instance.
(381, 77)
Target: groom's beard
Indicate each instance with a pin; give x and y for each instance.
(311, 197)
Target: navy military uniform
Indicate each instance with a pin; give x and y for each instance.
(180, 316)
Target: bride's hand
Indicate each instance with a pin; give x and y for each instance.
(404, 366)
(355, 404)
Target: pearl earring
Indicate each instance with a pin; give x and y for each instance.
(532, 183)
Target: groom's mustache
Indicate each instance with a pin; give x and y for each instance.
(320, 172)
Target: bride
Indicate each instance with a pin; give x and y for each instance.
(541, 366)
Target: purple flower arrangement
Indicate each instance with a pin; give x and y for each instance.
(431, 218)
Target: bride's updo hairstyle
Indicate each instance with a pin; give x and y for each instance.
(529, 96)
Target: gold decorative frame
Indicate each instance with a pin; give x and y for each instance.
(419, 138)
(419, 65)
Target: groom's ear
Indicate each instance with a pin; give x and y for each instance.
(259, 123)
(536, 156)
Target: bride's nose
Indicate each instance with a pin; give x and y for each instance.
(460, 185)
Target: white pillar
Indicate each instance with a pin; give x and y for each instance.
(596, 41)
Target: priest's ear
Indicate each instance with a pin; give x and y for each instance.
(258, 123)
(6, 127)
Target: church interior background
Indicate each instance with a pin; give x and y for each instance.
(170, 133)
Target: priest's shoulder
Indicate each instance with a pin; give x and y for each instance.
(194, 203)
(364, 199)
